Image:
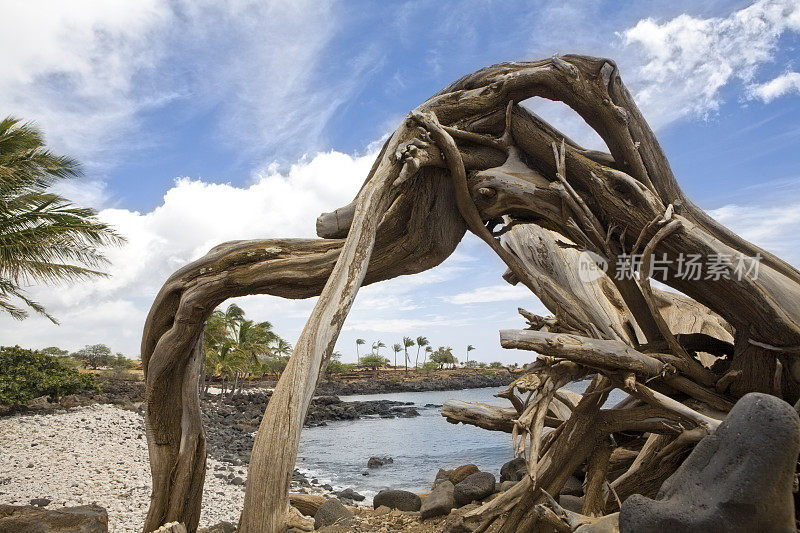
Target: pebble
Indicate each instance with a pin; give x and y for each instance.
(97, 454)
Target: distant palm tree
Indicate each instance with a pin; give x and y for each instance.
(421, 343)
(358, 343)
(282, 348)
(469, 349)
(397, 348)
(428, 350)
(43, 237)
(376, 347)
(408, 342)
(235, 347)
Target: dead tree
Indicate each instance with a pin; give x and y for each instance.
(471, 157)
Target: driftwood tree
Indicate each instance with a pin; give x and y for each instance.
(471, 157)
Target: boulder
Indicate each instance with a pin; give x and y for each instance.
(514, 470)
(572, 487)
(402, 500)
(455, 520)
(41, 502)
(737, 480)
(571, 503)
(376, 462)
(82, 519)
(332, 512)
(505, 485)
(475, 487)
(457, 475)
(71, 400)
(439, 502)
(41, 402)
(350, 494)
(382, 510)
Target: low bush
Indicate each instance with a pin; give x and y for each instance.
(430, 366)
(28, 374)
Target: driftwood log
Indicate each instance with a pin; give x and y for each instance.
(570, 224)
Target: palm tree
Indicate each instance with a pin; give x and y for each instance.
(397, 348)
(376, 347)
(282, 348)
(359, 342)
(236, 347)
(421, 343)
(408, 342)
(428, 350)
(43, 237)
(469, 349)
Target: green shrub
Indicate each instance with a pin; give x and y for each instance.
(430, 366)
(28, 374)
(374, 361)
(336, 367)
(495, 364)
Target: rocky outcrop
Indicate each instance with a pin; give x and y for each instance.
(377, 462)
(402, 500)
(478, 379)
(231, 423)
(474, 488)
(27, 518)
(350, 494)
(736, 480)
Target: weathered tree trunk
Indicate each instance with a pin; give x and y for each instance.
(471, 158)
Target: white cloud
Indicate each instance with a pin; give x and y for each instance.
(86, 70)
(773, 228)
(71, 65)
(194, 217)
(494, 293)
(782, 85)
(404, 325)
(683, 63)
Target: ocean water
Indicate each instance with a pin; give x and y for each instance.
(420, 446)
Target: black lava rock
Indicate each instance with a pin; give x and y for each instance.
(397, 499)
(736, 480)
(475, 487)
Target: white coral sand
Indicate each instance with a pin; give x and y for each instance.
(96, 454)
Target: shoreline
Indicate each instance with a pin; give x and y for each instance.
(97, 454)
(91, 448)
(130, 393)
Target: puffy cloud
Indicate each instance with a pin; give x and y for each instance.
(86, 70)
(494, 293)
(772, 227)
(193, 217)
(405, 325)
(71, 65)
(683, 63)
(782, 85)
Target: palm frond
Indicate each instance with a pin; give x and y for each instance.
(44, 238)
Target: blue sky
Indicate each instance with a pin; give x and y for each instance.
(200, 122)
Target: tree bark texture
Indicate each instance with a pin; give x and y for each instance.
(472, 158)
